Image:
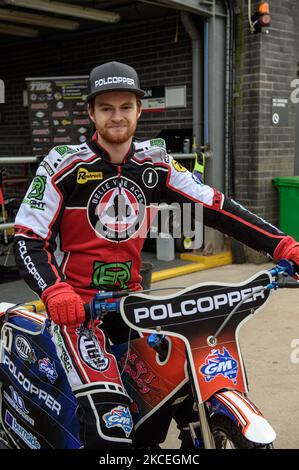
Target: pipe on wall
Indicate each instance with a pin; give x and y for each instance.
(197, 78)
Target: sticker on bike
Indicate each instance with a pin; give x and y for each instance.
(47, 367)
(119, 417)
(217, 363)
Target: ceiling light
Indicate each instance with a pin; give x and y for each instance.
(18, 31)
(67, 9)
(38, 20)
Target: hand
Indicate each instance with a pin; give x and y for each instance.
(64, 306)
(288, 248)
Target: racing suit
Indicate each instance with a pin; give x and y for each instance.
(83, 221)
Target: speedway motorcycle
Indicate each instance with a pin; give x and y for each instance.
(186, 351)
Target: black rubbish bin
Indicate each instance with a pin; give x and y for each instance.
(146, 273)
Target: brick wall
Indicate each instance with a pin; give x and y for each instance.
(150, 48)
(265, 67)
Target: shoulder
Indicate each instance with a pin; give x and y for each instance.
(153, 150)
(63, 155)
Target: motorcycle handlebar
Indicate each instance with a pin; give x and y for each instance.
(105, 302)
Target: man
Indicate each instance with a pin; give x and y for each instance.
(80, 229)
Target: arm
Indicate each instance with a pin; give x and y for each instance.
(36, 239)
(225, 214)
(36, 230)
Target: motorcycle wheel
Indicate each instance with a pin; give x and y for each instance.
(227, 435)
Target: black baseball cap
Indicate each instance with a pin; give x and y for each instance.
(113, 76)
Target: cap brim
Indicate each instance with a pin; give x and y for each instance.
(136, 91)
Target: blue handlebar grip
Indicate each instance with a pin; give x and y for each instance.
(283, 266)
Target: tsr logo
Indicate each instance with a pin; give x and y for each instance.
(2, 92)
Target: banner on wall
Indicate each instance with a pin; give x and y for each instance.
(57, 112)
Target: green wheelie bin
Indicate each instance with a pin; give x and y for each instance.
(288, 187)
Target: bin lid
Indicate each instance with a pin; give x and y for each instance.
(287, 181)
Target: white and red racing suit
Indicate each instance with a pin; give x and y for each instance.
(83, 221)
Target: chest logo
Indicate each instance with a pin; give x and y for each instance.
(117, 209)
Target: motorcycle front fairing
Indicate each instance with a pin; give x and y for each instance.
(194, 315)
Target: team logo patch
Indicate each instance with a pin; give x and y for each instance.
(150, 178)
(119, 417)
(117, 209)
(24, 349)
(47, 367)
(178, 167)
(91, 352)
(111, 275)
(222, 364)
(38, 188)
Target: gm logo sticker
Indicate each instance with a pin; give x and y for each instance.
(222, 364)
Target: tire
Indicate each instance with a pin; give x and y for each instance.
(227, 435)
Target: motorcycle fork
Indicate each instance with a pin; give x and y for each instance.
(204, 420)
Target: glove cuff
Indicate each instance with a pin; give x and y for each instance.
(284, 247)
(56, 289)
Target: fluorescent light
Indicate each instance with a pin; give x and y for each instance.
(18, 31)
(38, 20)
(67, 9)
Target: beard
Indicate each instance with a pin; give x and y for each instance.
(117, 136)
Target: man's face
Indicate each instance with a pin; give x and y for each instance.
(115, 115)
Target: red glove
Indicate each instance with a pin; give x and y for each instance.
(64, 306)
(288, 248)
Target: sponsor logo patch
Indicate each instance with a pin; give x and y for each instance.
(114, 80)
(119, 417)
(178, 167)
(91, 352)
(24, 349)
(26, 436)
(17, 402)
(83, 176)
(48, 168)
(47, 367)
(64, 150)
